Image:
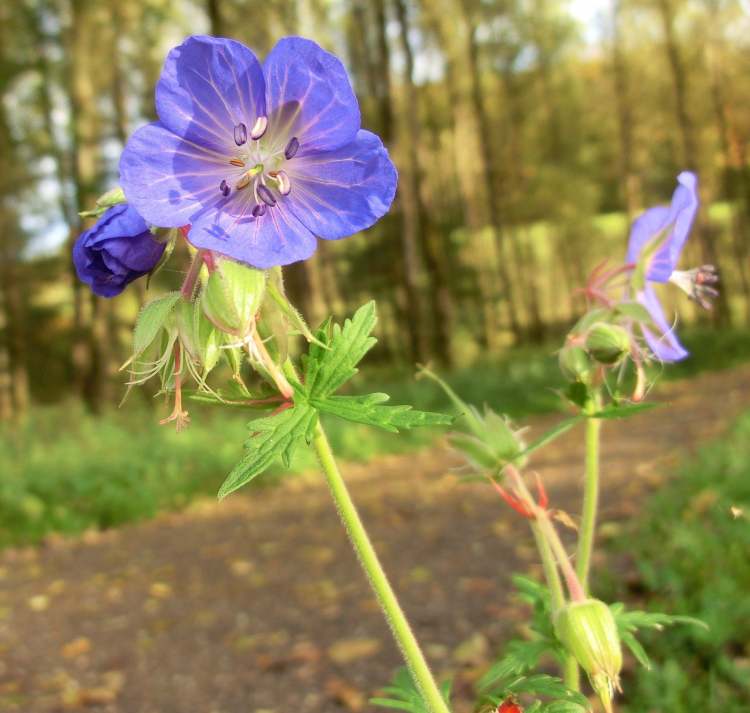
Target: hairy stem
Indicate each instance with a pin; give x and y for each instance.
(368, 558)
(590, 502)
(191, 278)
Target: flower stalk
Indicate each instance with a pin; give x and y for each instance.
(368, 558)
(360, 540)
(590, 497)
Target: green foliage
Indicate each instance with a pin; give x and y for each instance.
(273, 436)
(629, 622)
(403, 694)
(691, 553)
(513, 673)
(151, 319)
(331, 361)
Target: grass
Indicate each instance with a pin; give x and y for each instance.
(64, 470)
(691, 552)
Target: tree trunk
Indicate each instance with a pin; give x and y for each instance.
(486, 161)
(417, 225)
(687, 134)
(628, 179)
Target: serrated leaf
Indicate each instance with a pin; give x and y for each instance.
(326, 369)
(519, 658)
(274, 436)
(549, 686)
(369, 410)
(636, 649)
(151, 319)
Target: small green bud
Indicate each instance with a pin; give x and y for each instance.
(588, 631)
(493, 442)
(197, 335)
(607, 343)
(575, 363)
(232, 297)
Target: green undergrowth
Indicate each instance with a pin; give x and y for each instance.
(691, 550)
(63, 470)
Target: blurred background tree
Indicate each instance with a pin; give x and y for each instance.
(528, 133)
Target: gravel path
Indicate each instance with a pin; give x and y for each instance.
(257, 605)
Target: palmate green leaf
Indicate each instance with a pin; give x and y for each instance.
(274, 436)
(369, 409)
(629, 622)
(327, 368)
(151, 319)
(519, 658)
(404, 695)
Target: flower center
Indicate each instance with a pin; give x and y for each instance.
(260, 167)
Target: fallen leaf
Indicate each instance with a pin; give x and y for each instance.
(347, 650)
(160, 590)
(39, 602)
(77, 647)
(345, 694)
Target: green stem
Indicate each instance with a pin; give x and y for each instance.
(557, 596)
(590, 502)
(368, 558)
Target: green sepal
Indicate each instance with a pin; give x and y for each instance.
(104, 202)
(154, 316)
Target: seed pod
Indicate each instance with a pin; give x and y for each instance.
(232, 297)
(588, 631)
(607, 343)
(575, 363)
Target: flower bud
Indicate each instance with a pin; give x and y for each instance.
(607, 343)
(232, 297)
(588, 631)
(198, 336)
(575, 363)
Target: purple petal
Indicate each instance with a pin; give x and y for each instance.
(337, 193)
(208, 86)
(677, 218)
(276, 237)
(309, 96)
(666, 347)
(168, 179)
(138, 254)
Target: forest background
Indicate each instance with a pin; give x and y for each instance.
(527, 133)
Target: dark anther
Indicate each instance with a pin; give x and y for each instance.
(258, 210)
(224, 188)
(266, 196)
(240, 134)
(291, 148)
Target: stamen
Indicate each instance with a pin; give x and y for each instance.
(248, 176)
(291, 148)
(259, 128)
(237, 162)
(266, 196)
(240, 134)
(245, 179)
(259, 210)
(282, 179)
(224, 188)
(697, 284)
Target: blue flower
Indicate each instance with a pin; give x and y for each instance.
(118, 249)
(657, 238)
(258, 160)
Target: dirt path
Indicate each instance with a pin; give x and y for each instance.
(258, 606)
